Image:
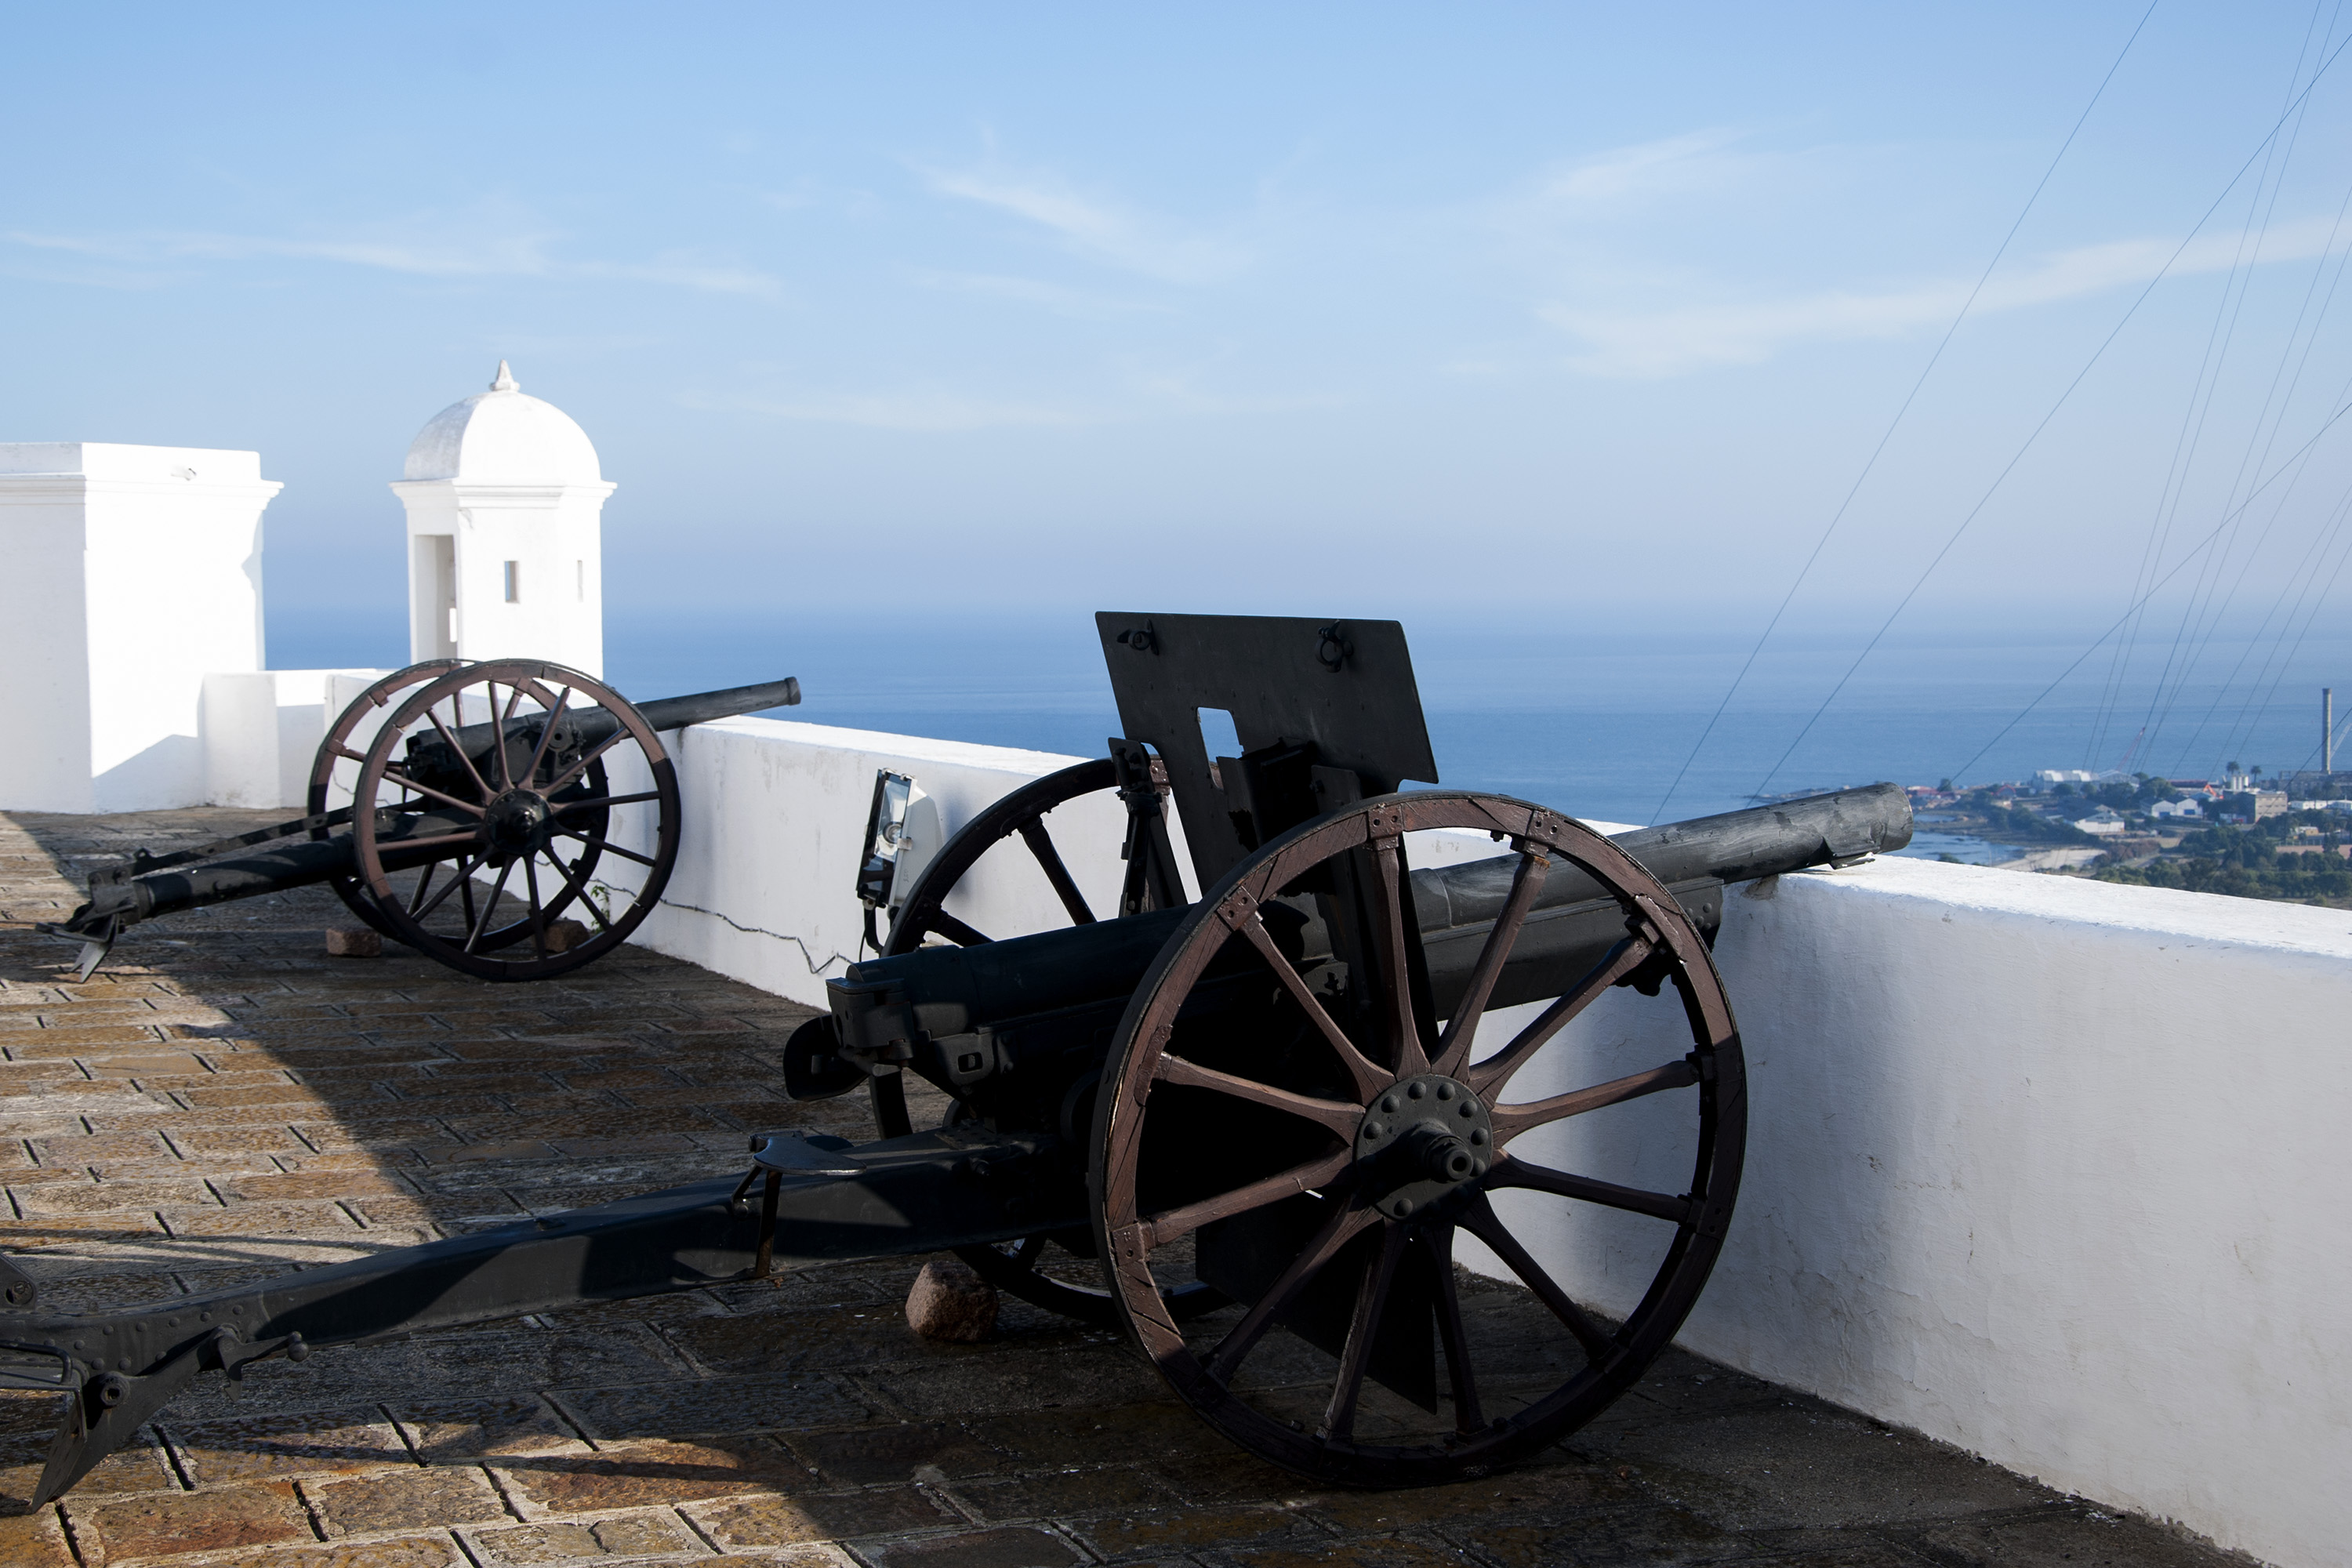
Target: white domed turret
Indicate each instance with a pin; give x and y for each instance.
(505, 502)
(501, 436)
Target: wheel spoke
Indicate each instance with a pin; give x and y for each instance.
(465, 889)
(514, 700)
(423, 882)
(1372, 1295)
(490, 906)
(1041, 845)
(606, 846)
(1510, 1120)
(1412, 1060)
(538, 915)
(464, 879)
(1481, 1221)
(1467, 1417)
(1512, 1171)
(1371, 1079)
(405, 782)
(559, 808)
(1487, 1078)
(456, 751)
(1337, 1232)
(435, 842)
(1301, 1178)
(575, 879)
(1454, 1045)
(547, 733)
(1340, 1118)
(954, 929)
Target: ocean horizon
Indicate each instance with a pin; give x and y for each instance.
(1594, 724)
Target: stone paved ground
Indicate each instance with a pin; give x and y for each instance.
(224, 1102)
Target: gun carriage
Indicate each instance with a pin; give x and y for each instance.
(444, 777)
(1256, 1113)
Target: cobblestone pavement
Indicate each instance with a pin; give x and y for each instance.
(224, 1102)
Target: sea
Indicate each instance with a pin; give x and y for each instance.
(1595, 724)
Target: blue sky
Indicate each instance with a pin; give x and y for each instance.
(1583, 315)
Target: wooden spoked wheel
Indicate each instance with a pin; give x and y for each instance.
(465, 845)
(334, 772)
(1018, 1267)
(1325, 1168)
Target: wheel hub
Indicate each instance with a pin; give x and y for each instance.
(517, 822)
(1422, 1139)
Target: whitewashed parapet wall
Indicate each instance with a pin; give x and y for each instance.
(2049, 1169)
(262, 731)
(126, 574)
(774, 822)
(2045, 1168)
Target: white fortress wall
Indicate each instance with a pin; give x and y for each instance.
(2049, 1169)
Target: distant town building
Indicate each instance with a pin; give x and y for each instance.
(2252, 806)
(2183, 808)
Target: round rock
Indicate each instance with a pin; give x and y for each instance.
(951, 1303)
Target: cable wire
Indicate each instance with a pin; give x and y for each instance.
(1839, 516)
(2009, 467)
(2155, 588)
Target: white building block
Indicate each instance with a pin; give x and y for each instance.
(131, 572)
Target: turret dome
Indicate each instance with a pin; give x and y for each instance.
(503, 437)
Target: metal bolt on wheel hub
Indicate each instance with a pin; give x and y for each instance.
(1420, 1139)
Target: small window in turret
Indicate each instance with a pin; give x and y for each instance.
(514, 587)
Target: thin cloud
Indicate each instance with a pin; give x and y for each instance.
(1673, 164)
(922, 408)
(1103, 231)
(513, 255)
(1654, 344)
(1138, 394)
(1030, 291)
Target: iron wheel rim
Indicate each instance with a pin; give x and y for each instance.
(574, 793)
(1127, 1235)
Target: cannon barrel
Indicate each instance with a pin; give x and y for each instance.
(960, 1014)
(588, 726)
(1735, 846)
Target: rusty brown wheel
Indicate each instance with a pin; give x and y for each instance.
(1325, 1170)
(334, 770)
(1020, 1267)
(501, 795)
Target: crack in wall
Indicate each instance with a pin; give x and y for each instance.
(816, 966)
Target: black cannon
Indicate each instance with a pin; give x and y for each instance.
(455, 773)
(1249, 1115)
